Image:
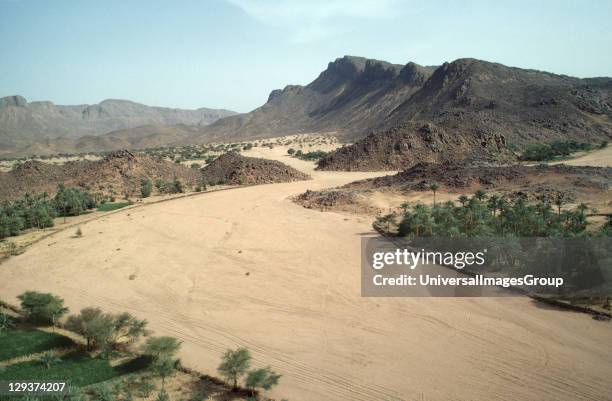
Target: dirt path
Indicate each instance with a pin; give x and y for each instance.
(249, 267)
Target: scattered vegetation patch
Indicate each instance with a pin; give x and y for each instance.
(557, 150)
(313, 155)
(109, 207)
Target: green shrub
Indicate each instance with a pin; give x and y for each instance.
(146, 186)
(42, 307)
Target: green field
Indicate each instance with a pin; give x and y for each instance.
(77, 367)
(20, 343)
(109, 207)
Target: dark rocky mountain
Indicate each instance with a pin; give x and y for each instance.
(356, 96)
(471, 96)
(23, 123)
(351, 94)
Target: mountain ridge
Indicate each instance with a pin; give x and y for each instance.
(23, 123)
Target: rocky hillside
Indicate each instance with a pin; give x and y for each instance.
(411, 143)
(23, 123)
(119, 173)
(467, 97)
(351, 94)
(452, 176)
(233, 168)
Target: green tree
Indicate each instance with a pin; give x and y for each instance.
(161, 347)
(235, 364)
(164, 367)
(434, 188)
(146, 186)
(42, 307)
(264, 378)
(92, 324)
(480, 195)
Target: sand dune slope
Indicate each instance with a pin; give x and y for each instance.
(249, 267)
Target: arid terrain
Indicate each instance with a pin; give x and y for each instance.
(248, 266)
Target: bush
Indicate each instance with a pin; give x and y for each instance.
(146, 186)
(42, 307)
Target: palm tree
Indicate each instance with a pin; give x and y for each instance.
(560, 201)
(494, 203)
(463, 200)
(480, 195)
(49, 358)
(434, 187)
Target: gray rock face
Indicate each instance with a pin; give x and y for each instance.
(23, 123)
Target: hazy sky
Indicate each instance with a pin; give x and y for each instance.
(232, 53)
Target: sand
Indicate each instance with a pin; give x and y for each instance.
(248, 267)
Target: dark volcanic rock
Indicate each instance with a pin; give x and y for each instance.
(410, 143)
(233, 168)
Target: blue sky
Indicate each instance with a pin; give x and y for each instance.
(232, 53)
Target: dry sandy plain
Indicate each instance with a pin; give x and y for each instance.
(299, 308)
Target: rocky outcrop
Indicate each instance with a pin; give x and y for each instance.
(403, 146)
(235, 169)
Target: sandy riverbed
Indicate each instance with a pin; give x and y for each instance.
(299, 308)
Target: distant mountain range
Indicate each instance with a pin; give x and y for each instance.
(43, 124)
(354, 97)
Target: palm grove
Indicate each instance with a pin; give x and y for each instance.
(38, 211)
(483, 215)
